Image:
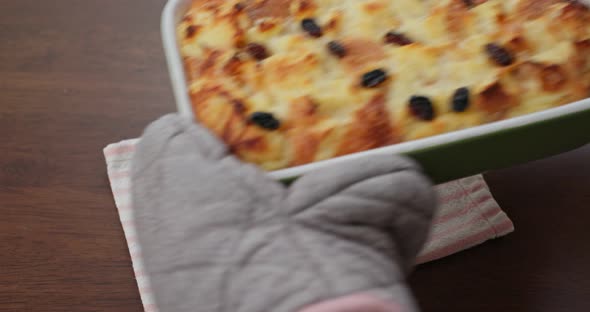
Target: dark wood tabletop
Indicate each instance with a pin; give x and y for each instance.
(76, 75)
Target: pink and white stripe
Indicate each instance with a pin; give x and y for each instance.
(467, 216)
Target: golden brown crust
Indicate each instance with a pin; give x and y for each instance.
(267, 8)
(243, 57)
(370, 128)
(495, 100)
(457, 11)
(530, 9)
(553, 77)
(303, 114)
(360, 52)
(305, 146)
(518, 45)
(582, 62)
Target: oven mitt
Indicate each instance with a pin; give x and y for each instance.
(219, 235)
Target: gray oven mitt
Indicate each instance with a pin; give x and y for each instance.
(218, 235)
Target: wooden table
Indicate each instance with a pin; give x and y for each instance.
(76, 75)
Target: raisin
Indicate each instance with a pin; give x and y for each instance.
(311, 27)
(460, 100)
(499, 54)
(473, 3)
(191, 30)
(400, 39)
(421, 107)
(265, 120)
(257, 51)
(374, 78)
(336, 48)
(468, 3)
(239, 7)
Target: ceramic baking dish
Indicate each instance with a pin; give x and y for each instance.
(446, 156)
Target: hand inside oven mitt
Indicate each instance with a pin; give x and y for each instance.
(218, 235)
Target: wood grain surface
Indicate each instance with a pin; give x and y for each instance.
(76, 75)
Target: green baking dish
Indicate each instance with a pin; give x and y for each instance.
(444, 157)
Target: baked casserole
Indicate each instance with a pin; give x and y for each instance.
(289, 82)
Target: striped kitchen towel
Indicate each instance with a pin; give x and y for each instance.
(467, 216)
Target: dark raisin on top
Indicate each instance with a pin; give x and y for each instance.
(191, 30)
(400, 39)
(421, 107)
(257, 51)
(311, 27)
(499, 55)
(473, 3)
(239, 6)
(265, 120)
(374, 78)
(460, 100)
(337, 49)
(468, 3)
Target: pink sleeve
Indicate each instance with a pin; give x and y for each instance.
(354, 303)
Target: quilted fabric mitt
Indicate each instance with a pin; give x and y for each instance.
(219, 235)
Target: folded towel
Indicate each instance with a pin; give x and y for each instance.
(467, 216)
